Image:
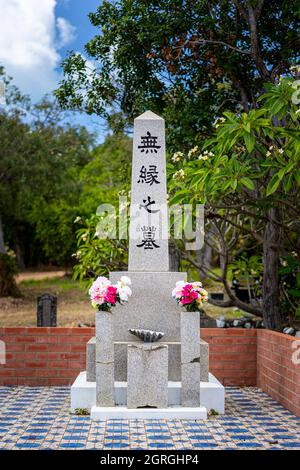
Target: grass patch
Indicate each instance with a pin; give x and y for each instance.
(73, 306)
(81, 411)
(64, 283)
(229, 313)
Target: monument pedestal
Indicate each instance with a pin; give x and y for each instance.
(147, 375)
(83, 391)
(120, 354)
(83, 394)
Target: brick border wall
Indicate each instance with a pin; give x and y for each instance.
(54, 356)
(232, 354)
(43, 356)
(278, 368)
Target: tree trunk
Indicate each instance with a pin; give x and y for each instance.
(19, 256)
(2, 246)
(271, 292)
(8, 286)
(203, 258)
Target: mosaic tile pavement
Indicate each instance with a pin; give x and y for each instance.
(39, 418)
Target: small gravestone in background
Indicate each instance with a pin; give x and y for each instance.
(46, 310)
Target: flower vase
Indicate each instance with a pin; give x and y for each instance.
(190, 358)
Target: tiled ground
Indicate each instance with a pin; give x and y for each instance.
(39, 418)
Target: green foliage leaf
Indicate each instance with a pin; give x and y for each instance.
(273, 185)
(294, 292)
(180, 196)
(247, 182)
(249, 140)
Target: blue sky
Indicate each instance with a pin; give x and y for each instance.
(35, 36)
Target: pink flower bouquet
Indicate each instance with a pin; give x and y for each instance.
(190, 295)
(105, 295)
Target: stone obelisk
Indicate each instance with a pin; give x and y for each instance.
(148, 243)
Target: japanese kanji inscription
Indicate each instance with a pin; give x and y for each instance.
(148, 244)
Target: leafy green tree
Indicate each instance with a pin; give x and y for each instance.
(187, 60)
(106, 174)
(41, 158)
(66, 150)
(104, 179)
(13, 138)
(248, 176)
(40, 169)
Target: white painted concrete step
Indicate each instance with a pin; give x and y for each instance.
(173, 412)
(212, 394)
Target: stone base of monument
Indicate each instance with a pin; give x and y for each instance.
(212, 396)
(147, 383)
(172, 412)
(120, 351)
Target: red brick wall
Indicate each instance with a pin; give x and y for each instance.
(43, 356)
(278, 374)
(232, 354)
(54, 356)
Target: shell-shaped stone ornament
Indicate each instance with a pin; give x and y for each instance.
(148, 336)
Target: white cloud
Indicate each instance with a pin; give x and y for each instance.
(28, 45)
(66, 31)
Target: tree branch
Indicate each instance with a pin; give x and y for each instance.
(219, 43)
(243, 229)
(251, 15)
